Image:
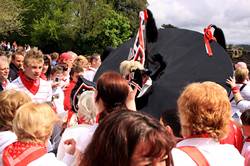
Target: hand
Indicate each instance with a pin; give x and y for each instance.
(70, 146)
(130, 102)
(231, 81)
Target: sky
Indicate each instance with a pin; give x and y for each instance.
(232, 16)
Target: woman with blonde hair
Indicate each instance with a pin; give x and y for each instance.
(10, 101)
(204, 111)
(242, 83)
(33, 125)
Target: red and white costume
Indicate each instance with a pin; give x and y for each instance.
(6, 138)
(214, 152)
(42, 92)
(28, 153)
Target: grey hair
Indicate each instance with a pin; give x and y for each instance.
(87, 107)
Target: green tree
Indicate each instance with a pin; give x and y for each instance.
(53, 26)
(104, 27)
(10, 16)
(130, 9)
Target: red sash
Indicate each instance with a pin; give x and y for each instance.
(22, 153)
(195, 155)
(31, 85)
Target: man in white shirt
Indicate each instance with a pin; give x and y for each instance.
(95, 63)
(29, 80)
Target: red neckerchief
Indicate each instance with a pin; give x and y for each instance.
(22, 153)
(43, 76)
(31, 85)
(4, 84)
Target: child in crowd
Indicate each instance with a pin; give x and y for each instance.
(57, 91)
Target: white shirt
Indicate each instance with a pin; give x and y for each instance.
(245, 93)
(245, 149)
(216, 154)
(82, 134)
(6, 138)
(47, 159)
(43, 94)
(89, 74)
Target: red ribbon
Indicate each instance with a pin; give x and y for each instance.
(208, 37)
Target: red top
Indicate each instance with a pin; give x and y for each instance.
(67, 92)
(234, 136)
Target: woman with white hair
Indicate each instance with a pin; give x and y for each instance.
(84, 123)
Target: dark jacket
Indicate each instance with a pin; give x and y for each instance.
(13, 74)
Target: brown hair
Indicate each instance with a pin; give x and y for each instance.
(113, 90)
(118, 135)
(35, 54)
(245, 117)
(204, 108)
(10, 101)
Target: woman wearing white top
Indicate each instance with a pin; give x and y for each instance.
(10, 101)
(204, 111)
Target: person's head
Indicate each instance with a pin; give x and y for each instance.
(127, 67)
(17, 58)
(66, 60)
(56, 73)
(245, 119)
(81, 61)
(204, 108)
(10, 101)
(87, 108)
(112, 91)
(33, 63)
(241, 74)
(4, 68)
(34, 122)
(95, 60)
(171, 121)
(54, 56)
(240, 65)
(75, 72)
(47, 65)
(129, 138)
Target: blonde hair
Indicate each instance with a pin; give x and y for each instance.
(34, 122)
(33, 54)
(204, 108)
(127, 67)
(4, 60)
(87, 107)
(241, 74)
(10, 101)
(81, 61)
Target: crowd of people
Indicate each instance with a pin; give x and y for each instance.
(38, 125)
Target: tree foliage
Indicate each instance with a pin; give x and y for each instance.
(84, 26)
(10, 16)
(105, 27)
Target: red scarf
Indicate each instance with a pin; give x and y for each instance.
(22, 153)
(31, 85)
